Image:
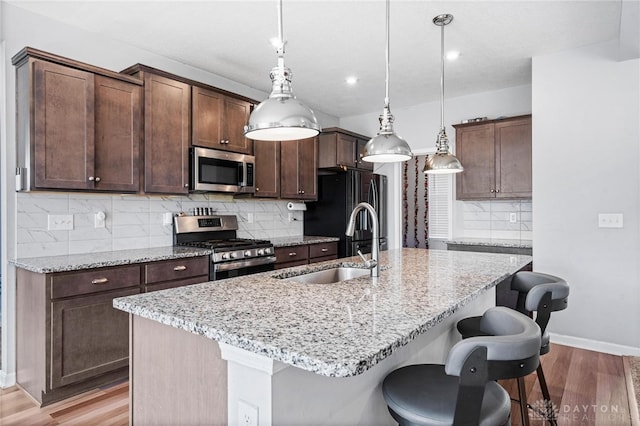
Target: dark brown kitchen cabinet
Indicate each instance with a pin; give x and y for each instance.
(78, 126)
(219, 120)
(304, 254)
(175, 273)
(320, 252)
(167, 118)
(298, 169)
(496, 156)
(69, 337)
(341, 149)
(267, 168)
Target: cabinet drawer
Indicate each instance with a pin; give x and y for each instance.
(93, 281)
(292, 254)
(323, 249)
(323, 258)
(177, 269)
(173, 284)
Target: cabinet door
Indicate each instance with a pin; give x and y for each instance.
(289, 185)
(361, 164)
(475, 148)
(118, 135)
(267, 154)
(207, 112)
(88, 337)
(346, 151)
(513, 158)
(166, 135)
(63, 108)
(308, 168)
(236, 116)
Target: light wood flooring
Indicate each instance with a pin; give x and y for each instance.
(588, 388)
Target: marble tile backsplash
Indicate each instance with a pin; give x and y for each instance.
(493, 219)
(135, 221)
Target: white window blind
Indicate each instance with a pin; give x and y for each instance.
(440, 206)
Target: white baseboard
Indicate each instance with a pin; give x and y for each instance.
(7, 380)
(594, 345)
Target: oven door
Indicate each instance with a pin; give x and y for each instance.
(220, 271)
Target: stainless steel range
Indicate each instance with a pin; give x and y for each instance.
(231, 256)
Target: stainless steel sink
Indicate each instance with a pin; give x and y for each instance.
(330, 276)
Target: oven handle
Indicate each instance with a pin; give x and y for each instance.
(230, 266)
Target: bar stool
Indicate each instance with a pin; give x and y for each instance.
(464, 391)
(542, 294)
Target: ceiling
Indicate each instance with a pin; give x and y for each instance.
(330, 40)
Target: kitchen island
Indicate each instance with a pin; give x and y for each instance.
(268, 350)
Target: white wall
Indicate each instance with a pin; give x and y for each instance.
(20, 28)
(419, 125)
(586, 156)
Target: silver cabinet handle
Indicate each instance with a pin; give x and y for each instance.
(324, 249)
(100, 281)
(293, 253)
(180, 268)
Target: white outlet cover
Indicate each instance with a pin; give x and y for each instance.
(247, 414)
(60, 222)
(610, 220)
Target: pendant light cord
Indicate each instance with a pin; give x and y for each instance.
(281, 42)
(442, 77)
(386, 82)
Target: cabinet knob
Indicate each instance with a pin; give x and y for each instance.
(186, 185)
(221, 141)
(497, 190)
(257, 189)
(302, 192)
(91, 178)
(180, 268)
(100, 281)
(97, 178)
(493, 190)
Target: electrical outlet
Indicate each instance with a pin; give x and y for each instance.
(247, 414)
(249, 217)
(610, 220)
(60, 222)
(99, 220)
(513, 217)
(167, 218)
(291, 218)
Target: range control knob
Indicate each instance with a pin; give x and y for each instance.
(247, 253)
(268, 250)
(260, 252)
(225, 255)
(234, 255)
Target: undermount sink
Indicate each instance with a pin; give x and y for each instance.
(330, 276)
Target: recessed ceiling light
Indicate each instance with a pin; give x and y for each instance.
(351, 80)
(453, 55)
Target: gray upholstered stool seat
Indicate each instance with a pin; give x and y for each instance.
(425, 395)
(537, 293)
(463, 391)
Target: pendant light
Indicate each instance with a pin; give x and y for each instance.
(282, 116)
(386, 146)
(442, 161)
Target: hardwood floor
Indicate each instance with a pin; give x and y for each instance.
(587, 388)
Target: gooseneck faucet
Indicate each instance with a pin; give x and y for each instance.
(371, 264)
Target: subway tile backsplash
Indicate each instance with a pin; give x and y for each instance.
(135, 221)
(492, 219)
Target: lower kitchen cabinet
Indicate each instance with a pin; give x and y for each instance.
(304, 254)
(70, 338)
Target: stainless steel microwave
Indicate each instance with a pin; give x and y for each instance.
(211, 170)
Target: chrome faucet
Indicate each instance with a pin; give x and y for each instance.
(371, 264)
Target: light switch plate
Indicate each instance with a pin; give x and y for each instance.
(60, 222)
(610, 220)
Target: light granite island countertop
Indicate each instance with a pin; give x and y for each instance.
(346, 335)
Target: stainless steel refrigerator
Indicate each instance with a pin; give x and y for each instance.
(338, 194)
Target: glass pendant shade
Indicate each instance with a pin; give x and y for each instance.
(282, 116)
(442, 162)
(386, 146)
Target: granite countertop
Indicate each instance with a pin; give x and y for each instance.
(491, 242)
(336, 330)
(75, 262)
(301, 240)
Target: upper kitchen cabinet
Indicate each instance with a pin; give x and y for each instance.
(267, 164)
(78, 126)
(496, 156)
(299, 169)
(167, 118)
(342, 149)
(219, 120)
